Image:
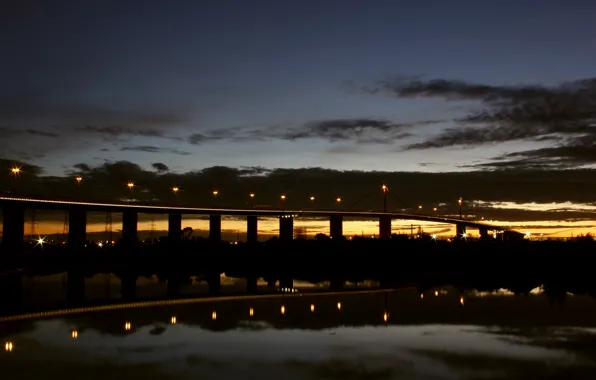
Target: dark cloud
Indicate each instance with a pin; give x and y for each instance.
(360, 190)
(506, 113)
(160, 167)
(365, 130)
(153, 149)
(199, 138)
(82, 167)
(568, 154)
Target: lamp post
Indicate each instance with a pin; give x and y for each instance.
(385, 189)
(461, 217)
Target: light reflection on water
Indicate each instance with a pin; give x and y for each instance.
(301, 344)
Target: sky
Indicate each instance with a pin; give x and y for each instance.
(390, 86)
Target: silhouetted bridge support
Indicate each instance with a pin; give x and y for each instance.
(13, 229)
(77, 237)
(286, 228)
(174, 227)
(13, 233)
(336, 227)
(460, 230)
(483, 233)
(130, 221)
(251, 229)
(385, 226)
(215, 228)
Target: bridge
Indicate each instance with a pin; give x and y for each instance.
(14, 208)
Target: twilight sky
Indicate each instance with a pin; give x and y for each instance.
(497, 96)
(292, 84)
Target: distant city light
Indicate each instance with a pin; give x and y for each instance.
(385, 188)
(339, 306)
(127, 326)
(251, 312)
(312, 198)
(434, 237)
(283, 197)
(215, 192)
(252, 195)
(214, 315)
(283, 310)
(74, 334)
(8, 346)
(79, 179)
(338, 199)
(312, 307)
(173, 320)
(175, 189)
(15, 170)
(130, 185)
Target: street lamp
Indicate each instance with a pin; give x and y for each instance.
(252, 195)
(215, 192)
(460, 209)
(175, 189)
(282, 197)
(15, 170)
(130, 185)
(79, 179)
(385, 190)
(338, 199)
(312, 198)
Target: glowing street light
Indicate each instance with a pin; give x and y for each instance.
(214, 315)
(282, 310)
(252, 195)
(215, 192)
(127, 326)
(385, 190)
(251, 312)
(8, 346)
(175, 189)
(461, 300)
(338, 199)
(385, 316)
(74, 334)
(79, 179)
(130, 185)
(434, 237)
(282, 197)
(339, 306)
(460, 201)
(419, 207)
(15, 170)
(312, 307)
(312, 198)
(40, 241)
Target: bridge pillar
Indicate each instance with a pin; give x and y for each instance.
(214, 282)
(336, 226)
(251, 229)
(174, 226)
(128, 286)
(385, 226)
(460, 230)
(483, 233)
(286, 228)
(215, 228)
(13, 228)
(251, 285)
(77, 230)
(130, 221)
(75, 286)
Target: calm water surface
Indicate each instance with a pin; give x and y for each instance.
(373, 335)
